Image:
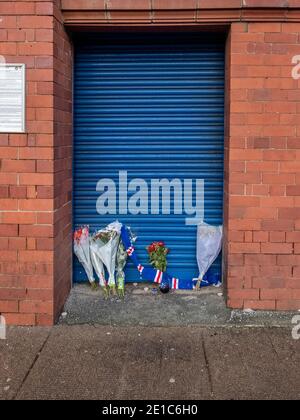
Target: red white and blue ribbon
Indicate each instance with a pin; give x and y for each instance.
(175, 283)
(159, 277)
(130, 251)
(140, 268)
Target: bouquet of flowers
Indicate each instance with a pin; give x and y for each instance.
(209, 245)
(104, 247)
(150, 274)
(120, 264)
(158, 255)
(82, 251)
(98, 264)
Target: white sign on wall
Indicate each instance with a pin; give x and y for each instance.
(12, 98)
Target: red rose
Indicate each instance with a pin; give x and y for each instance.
(151, 248)
(161, 244)
(77, 235)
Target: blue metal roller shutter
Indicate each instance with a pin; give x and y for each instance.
(153, 106)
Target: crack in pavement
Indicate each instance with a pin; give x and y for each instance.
(207, 367)
(37, 356)
(122, 377)
(273, 346)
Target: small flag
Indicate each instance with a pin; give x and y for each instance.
(158, 277)
(175, 283)
(140, 268)
(130, 251)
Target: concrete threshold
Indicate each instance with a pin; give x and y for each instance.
(144, 306)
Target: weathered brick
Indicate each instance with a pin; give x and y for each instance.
(17, 243)
(44, 320)
(13, 217)
(36, 179)
(18, 166)
(44, 8)
(36, 307)
(4, 191)
(20, 319)
(288, 305)
(36, 204)
(262, 305)
(244, 294)
(9, 306)
(36, 22)
(276, 248)
(12, 293)
(36, 256)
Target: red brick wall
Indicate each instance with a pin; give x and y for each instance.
(35, 205)
(262, 177)
(263, 167)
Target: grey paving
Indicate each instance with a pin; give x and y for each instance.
(178, 346)
(17, 356)
(246, 364)
(131, 363)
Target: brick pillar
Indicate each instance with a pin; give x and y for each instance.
(35, 172)
(63, 155)
(263, 270)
